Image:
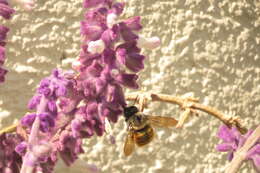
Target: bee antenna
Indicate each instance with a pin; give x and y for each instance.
(136, 98)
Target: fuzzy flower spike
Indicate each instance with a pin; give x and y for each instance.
(72, 107)
(109, 60)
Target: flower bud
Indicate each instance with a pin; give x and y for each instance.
(111, 19)
(149, 43)
(96, 46)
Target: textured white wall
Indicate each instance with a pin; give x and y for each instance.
(209, 47)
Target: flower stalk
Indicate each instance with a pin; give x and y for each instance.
(188, 103)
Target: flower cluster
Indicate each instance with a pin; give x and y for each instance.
(39, 151)
(71, 107)
(233, 140)
(109, 61)
(5, 11)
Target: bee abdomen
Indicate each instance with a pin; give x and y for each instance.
(144, 136)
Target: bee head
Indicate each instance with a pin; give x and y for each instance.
(130, 111)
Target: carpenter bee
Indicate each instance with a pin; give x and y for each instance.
(140, 127)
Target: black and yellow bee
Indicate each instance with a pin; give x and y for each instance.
(140, 127)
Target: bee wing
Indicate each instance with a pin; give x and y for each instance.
(129, 144)
(160, 121)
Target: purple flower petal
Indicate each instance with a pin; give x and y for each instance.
(21, 148)
(95, 69)
(135, 62)
(255, 150)
(118, 8)
(99, 127)
(100, 85)
(224, 147)
(134, 23)
(91, 32)
(9, 159)
(92, 3)
(115, 94)
(2, 55)
(128, 80)
(35, 100)
(3, 32)
(225, 134)
(76, 126)
(52, 107)
(109, 58)
(4, 2)
(230, 155)
(96, 16)
(2, 74)
(67, 105)
(28, 119)
(110, 35)
(126, 33)
(46, 122)
(89, 88)
(6, 11)
(111, 114)
(92, 109)
(70, 148)
(121, 54)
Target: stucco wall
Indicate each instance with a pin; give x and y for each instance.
(209, 47)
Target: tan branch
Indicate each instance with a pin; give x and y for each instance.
(9, 129)
(193, 105)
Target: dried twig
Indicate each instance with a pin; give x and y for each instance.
(190, 105)
(9, 129)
